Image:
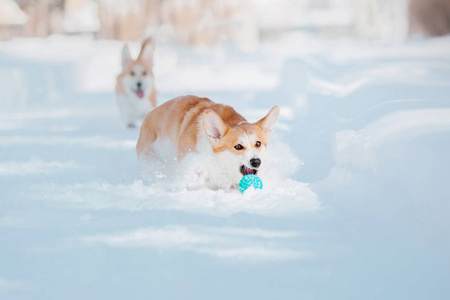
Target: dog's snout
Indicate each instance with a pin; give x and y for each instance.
(139, 84)
(255, 162)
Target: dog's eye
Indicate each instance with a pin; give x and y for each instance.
(144, 73)
(238, 147)
(258, 144)
(132, 73)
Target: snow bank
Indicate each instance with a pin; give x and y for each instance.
(359, 148)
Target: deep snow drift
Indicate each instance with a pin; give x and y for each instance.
(356, 206)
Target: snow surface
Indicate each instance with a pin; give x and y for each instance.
(356, 206)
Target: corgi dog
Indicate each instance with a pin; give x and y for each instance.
(135, 86)
(230, 145)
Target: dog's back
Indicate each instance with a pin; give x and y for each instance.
(178, 121)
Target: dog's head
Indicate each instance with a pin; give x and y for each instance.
(137, 75)
(239, 149)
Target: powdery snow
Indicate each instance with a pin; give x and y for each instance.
(355, 199)
(242, 244)
(288, 198)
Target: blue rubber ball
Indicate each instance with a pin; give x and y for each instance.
(248, 181)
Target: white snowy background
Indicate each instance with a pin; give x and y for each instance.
(363, 211)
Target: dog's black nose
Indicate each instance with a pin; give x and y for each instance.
(255, 162)
(139, 85)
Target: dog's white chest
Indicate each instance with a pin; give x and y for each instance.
(132, 108)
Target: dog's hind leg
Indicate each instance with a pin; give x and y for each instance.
(144, 146)
(186, 144)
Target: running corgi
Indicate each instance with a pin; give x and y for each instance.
(231, 146)
(135, 86)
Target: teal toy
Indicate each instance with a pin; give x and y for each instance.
(248, 181)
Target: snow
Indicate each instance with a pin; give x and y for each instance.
(355, 205)
(228, 243)
(34, 166)
(11, 14)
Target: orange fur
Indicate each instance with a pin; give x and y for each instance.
(181, 119)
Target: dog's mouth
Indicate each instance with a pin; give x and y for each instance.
(247, 171)
(139, 93)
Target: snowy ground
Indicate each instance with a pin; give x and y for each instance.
(365, 216)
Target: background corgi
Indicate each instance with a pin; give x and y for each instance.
(135, 86)
(231, 146)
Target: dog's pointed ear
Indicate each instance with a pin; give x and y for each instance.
(147, 51)
(214, 126)
(269, 120)
(126, 56)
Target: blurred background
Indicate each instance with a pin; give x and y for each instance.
(211, 22)
(52, 49)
